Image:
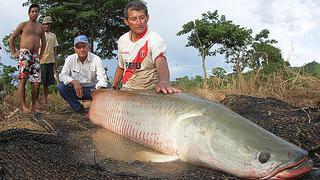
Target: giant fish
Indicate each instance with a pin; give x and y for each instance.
(199, 132)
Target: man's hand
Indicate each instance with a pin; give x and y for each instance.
(115, 87)
(166, 88)
(78, 88)
(15, 55)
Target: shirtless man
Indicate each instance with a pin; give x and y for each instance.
(31, 32)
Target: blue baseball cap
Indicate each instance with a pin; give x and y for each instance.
(81, 38)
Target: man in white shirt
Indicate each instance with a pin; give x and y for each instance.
(82, 72)
(141, 54)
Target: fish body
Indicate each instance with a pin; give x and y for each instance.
(199, 132)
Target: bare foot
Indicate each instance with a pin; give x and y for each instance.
(38, 104)
(38, 107)
(35, 109)
(31, 108)
(44, 106)
(24, 109)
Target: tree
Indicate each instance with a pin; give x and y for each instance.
(312, 68)
(219, 72)
(100, 20)
(204, 34)
(235, 46)
(6, 43)
(7, 78)
(265, 55)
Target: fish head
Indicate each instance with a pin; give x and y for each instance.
(231, 143)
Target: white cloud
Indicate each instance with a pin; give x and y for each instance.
(295, 24)
(11, 14)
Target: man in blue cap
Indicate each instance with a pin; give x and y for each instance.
(82, 72)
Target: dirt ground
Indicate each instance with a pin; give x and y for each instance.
(40, 146)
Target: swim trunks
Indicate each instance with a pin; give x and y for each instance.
(29, 66)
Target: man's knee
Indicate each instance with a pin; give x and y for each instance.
(61, 88)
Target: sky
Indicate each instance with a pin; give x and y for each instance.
(294, 24)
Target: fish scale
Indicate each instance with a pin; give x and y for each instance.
(129, 113)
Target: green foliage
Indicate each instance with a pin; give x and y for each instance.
(214, 34)
(219, 72)
(235, 46)
(5, 42)
(7, 78)
(265, 55)
(312, 68)
(188, 84)
(53, 89)
(101, 21)
(204, 33)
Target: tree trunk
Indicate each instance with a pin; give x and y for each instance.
(238, 64)
(238, 67)
(91, 45)
(92, 38)
(205, 83)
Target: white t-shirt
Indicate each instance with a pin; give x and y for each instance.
(138, 60)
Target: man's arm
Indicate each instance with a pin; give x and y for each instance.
(55, 53)
(77, 87)
(65, 77)
(56, 44)
(65, 74)
(12, 39)
(101, 75)
(163, 76)
(119, 71)
(117, 77)
(43, 43)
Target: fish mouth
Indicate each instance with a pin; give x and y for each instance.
(292, 170)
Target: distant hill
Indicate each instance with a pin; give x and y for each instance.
(313, 68)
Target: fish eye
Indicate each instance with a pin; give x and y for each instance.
(263, 156)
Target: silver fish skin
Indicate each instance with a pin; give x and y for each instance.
(199, 132)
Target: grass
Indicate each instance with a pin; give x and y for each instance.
(293, 86)
(10, 103)
(56, 103)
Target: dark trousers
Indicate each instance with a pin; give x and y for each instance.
(68, 93)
